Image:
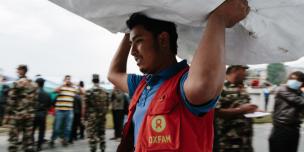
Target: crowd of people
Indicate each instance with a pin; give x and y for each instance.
(174, 106)
(25, 106)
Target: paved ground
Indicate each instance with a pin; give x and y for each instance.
(78, 146)
(260, 142)
(261, 133)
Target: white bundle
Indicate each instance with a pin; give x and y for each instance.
(272, 32)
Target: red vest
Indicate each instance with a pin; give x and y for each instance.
(168, 125)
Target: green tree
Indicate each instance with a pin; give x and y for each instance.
(276, 73)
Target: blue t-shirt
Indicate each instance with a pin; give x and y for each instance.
(153, 84)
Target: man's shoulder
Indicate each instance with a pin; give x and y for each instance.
(43, 92)
(68, 88)
(118, 92)
(284, 90)
(134, 79)
(96, 91)
(281, 88)
(25, 85)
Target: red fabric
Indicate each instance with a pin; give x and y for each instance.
(52, 111)
(168, 125)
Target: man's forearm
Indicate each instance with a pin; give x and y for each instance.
(118, 65)
(229, 112)
(119, 60)
(207, 71)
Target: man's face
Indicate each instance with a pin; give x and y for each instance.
(20, 72)
(294, 77)
(67, 81)
(145, 50)
(241, 74)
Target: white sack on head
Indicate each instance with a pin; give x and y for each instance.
(272, 32)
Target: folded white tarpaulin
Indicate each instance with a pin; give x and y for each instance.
(272, 32)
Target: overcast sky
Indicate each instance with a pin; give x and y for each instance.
(54, 42)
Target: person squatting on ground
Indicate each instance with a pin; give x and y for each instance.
(172, 104)
(97, 102)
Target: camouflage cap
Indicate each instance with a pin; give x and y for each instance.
(95, 76)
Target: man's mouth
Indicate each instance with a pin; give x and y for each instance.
(137, 60)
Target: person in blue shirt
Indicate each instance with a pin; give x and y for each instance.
(153, 44)
(4, 89)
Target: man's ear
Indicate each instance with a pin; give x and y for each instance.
(163, 39)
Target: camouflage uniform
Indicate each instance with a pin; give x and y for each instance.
(20, 113)
(234, 134)
(97, 102)
(119, 101)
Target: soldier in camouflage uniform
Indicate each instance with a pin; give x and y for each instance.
(233, 131)
(118, 102)
(19, 113)
(97, 102)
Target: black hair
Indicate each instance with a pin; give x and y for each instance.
(81, 84)
(67, 76)
(298, 74)
(4, 78)
(231, 69)
(155, 27)
(40, 82)
(23, 67)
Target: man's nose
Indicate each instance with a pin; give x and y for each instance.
(133, 50)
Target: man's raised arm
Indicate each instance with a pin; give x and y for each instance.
(118, 68)
(207, 71)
